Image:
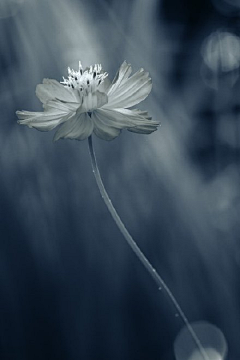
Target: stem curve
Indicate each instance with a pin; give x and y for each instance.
(145, 262)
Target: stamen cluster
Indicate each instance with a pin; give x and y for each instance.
(85, 80)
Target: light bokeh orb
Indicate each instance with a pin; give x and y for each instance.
(221, 51)
(211, 338)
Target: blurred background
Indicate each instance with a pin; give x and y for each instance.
(70, 287)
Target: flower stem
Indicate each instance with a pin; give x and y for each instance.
(158, 279)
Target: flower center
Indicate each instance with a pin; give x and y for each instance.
(85, 81)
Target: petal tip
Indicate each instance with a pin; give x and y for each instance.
(55, 137)
(126, 63)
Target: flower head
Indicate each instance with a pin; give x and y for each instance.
(87, 102)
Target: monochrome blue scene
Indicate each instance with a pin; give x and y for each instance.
(120, 125)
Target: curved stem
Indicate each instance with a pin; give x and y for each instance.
(158, 279)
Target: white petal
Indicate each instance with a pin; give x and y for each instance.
(92, 101)
(43, 121)
(61, 106)
(52, 89)
(122, 74)
(103, 128)
(79, 127)
(132, 91)
(128, 119)
(135, 113)
(105, 86)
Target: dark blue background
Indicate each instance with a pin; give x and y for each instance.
(70, 287)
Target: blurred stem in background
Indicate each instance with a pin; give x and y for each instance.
(160, 282)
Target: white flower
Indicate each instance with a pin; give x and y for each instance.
(87, 102)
